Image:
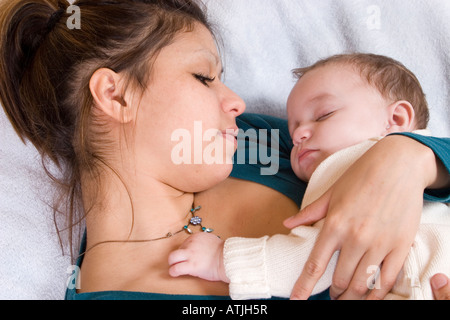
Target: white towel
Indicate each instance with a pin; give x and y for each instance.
(31, 262)
(265, 39)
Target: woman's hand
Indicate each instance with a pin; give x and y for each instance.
(372, 216)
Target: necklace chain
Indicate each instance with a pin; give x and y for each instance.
(194, 220)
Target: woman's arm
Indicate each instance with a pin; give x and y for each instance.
(372, 216)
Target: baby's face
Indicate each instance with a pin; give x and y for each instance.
(329, 109)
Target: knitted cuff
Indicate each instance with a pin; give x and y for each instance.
(244, 261)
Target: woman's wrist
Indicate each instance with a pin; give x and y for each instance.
(442, 179)
(421, 160)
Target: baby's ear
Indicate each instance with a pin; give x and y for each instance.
(105, 86)
(401, 117)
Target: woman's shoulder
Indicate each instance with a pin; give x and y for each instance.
(263, 121)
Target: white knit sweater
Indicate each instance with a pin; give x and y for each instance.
(270, 266)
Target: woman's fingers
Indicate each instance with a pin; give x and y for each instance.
(311, 214)
(314, 267)
(390, 269)
(373, 278)
(347, 276)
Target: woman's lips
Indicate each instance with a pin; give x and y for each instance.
(231, 135)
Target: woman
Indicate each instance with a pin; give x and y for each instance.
(119, 93)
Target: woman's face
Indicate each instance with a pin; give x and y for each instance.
(186, 123)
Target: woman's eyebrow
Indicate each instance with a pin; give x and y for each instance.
(210, 56)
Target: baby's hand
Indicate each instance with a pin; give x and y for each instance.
(201, 255)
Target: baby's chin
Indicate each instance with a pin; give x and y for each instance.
(303, 175)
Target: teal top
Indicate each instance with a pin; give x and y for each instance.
(254, 162)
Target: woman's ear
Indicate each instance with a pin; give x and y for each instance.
(401, 117)
(106, 89)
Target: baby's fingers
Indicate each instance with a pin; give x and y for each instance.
(178, 262)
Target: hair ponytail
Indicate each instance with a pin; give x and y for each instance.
(26, 91)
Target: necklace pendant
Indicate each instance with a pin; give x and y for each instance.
(186, 228)
(195, 221)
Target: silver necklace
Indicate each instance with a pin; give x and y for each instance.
(194, 221)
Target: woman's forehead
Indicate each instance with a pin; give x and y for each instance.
(192, 46)
(196, 40)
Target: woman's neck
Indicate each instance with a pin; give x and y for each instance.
(142, 210)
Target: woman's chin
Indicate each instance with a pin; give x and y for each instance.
(204, 177)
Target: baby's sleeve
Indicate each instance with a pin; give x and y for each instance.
(270, 266)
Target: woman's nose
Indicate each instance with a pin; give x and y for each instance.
(232, 103)
(301, 134)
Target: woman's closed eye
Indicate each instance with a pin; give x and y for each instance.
(204, 79)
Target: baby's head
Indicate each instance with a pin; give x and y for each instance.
(346, 99)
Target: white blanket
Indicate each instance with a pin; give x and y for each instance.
(263, 40)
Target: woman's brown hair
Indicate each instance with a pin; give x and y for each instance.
(45, 69)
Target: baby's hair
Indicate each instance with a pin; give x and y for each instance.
(391, 78)
(46, 67)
